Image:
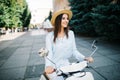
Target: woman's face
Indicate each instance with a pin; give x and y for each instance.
(64, 21)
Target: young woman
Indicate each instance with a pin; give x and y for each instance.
(61, 44)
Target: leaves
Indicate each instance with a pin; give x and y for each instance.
(11, 13)
(101, 17)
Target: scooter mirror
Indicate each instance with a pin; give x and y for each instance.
(43, 52)
(93, 46)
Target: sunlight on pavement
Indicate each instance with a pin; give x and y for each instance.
(11, 36)
(38, 32)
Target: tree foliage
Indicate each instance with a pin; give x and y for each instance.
(82, 20)
(11, 13)
(100, 17)
(106, 19)
(50, 15)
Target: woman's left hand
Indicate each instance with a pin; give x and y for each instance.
(89, 59)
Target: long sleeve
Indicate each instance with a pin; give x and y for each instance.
(49, 47)
(76, 53)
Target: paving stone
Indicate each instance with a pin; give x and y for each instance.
(2, 62)
(35, 51)
(86, 51)
(111, 72)
(115, 57)
(4, 44)
(102, 61)
(12, 73)
(19, 59)
(107, 51)
(38, 46)
(35, 59)
(39, 39)
(16, 61)
(109, 45)
(23, 51)
(36, 78)
(7, 52)
(26, 44)
(82, 44)
(34, 71)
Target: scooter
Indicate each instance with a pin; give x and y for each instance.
(74, 71)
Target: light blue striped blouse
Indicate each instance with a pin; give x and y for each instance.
(61, 50)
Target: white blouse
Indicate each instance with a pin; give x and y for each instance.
(61, 50)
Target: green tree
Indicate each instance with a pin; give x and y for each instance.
(50, 15)
(82, 20)
(100, 17)
(13, 13)
(26, 16)
(107, 19)
(2, 23)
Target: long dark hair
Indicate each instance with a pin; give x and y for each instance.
(57, 27)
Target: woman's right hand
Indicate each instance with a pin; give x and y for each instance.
(89, 59)
(49, 70)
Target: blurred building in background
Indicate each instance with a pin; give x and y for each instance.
(39, 10)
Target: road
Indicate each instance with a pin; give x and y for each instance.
(19, 59)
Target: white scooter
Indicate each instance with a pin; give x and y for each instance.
(74, 71)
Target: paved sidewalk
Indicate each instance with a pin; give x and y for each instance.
(19, 59)
(5, 40)
(11, 36)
